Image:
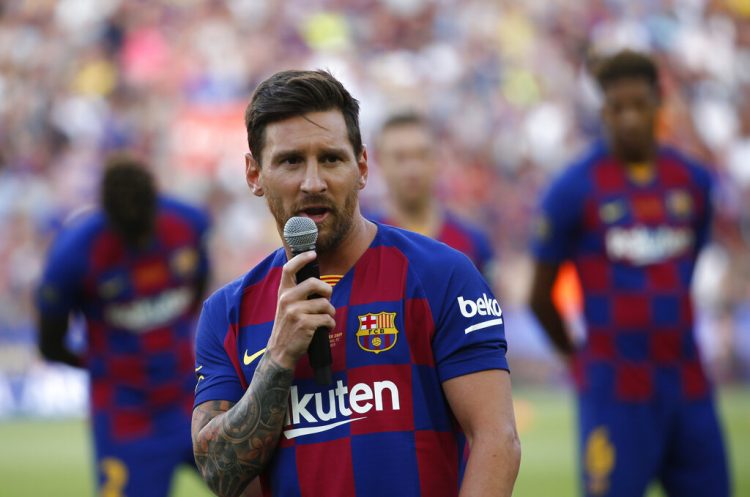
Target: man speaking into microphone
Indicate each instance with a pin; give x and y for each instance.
(417, 398)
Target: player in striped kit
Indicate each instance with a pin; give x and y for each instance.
(136, 270)
(417, 340)
(406, 154)
(633, 215)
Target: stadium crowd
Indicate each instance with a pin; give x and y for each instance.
(506, 82)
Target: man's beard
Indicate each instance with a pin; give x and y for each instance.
(636, 148)
(635, 152)
(414, 204)
(334, 228)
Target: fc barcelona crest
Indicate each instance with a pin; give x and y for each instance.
(377, 332)
(680, 203)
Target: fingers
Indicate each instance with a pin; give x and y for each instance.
(311, 286)
(301, 309)
(307, 324)
(313, 307)
(295, 306)
(292, 267)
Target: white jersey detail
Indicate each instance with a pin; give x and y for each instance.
(336, 403)
(483, 306)
(640, 245)
(146, 314)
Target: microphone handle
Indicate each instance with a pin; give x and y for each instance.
(319, 350)
(319, 353)
(309, 270)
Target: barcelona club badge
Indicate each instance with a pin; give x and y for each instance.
(377, 332)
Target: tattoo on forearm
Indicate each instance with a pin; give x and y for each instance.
(232, 443)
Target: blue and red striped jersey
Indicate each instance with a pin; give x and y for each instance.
(411, 314)
(140, 307)
(634, 245)
(461, 235)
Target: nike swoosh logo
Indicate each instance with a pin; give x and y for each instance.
(250, 358)
(298, 432)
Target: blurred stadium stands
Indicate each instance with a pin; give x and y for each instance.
(506, 82)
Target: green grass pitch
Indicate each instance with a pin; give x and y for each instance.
(41, 457)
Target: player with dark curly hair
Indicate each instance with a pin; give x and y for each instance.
(632, 215)
(136, 270)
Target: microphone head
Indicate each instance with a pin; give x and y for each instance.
(300, 234)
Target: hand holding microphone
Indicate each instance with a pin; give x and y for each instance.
(301, 234)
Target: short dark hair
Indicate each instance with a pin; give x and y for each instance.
(128, 197)
(293, 93)
(407, 117)
(626, 64)
(404, 118)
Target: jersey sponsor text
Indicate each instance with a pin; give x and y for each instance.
(144, 314)
(640, 245)
(483, 306)
(337, 403)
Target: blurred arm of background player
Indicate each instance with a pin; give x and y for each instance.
(542, 304)
(52, 332)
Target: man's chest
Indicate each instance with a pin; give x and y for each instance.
(642, 227)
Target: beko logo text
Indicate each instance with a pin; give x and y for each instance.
(483, 306)
(342, 401)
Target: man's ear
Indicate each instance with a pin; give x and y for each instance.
(363, 168)
(252, 175)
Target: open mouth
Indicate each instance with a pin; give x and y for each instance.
(317, 214)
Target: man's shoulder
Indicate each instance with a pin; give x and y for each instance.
(697, 171)
(232, 293)
(575, 175)
(377, 215)
(183, 209)
(422, 252)
(466, 226)
(80, 229)
(596, 156)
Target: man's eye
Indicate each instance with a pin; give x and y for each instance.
(291, 161)
(329, 159)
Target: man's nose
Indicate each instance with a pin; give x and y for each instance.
(313, 181)
(630, 119)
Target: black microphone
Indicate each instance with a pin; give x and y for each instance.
(301, 234)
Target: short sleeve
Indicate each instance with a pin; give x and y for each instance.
(60, 287)
(216, 378)
(485, 255)
(558, 220)
(203, 226)
(704, 219)
(469, 323)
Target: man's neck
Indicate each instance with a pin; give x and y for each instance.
(351, 248)
(646, 157)
(424, 218)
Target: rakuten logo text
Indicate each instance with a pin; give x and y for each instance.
(342, 402)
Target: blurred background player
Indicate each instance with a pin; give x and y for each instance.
(136, 270)
(633, 215)
(406, 150)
